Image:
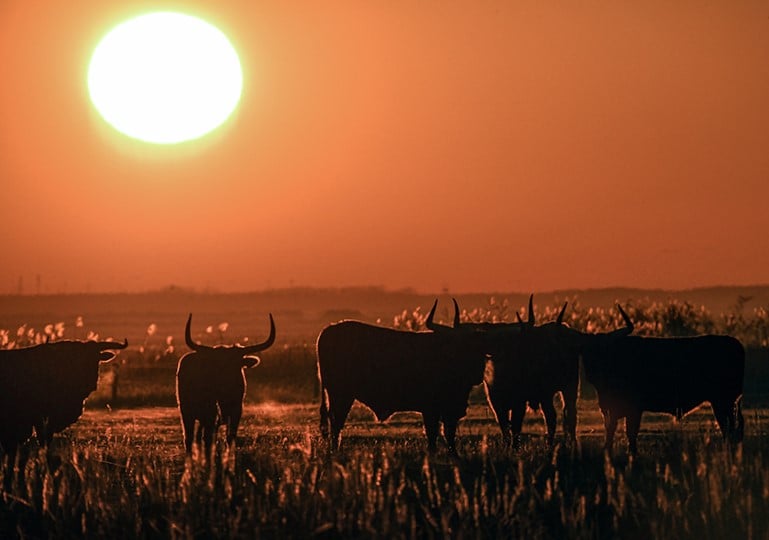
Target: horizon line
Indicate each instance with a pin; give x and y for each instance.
(177, 289)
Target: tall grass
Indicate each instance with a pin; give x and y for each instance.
(282, 483)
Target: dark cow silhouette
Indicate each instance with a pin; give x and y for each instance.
(211, 386)
(633, 374)
(45, 386)
(391, 370)
(531, 370)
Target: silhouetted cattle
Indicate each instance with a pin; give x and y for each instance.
(44, 387)
(390, 370)
(211, 386)
(633, 374)
(531, 370)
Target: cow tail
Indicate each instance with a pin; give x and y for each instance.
(324, 417)
(739, 421)
(325, 424)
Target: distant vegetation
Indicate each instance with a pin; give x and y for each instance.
(144, 374)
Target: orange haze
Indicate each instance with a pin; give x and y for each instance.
(469, 145)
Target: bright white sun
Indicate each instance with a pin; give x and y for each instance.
(165, 78)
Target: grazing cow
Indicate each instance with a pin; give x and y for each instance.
(211, 386)
(390, 370)
(633, 374)
(531, 371)
(45, 386)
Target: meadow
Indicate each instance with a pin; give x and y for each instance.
(121, 472)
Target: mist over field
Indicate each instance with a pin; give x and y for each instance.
(300, 313)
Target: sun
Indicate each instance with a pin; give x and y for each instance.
(165, 77)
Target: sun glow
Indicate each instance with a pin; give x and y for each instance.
(165, 78)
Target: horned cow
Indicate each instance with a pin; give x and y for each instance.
(45, 386)
(390, 370)
(530, 370)
(211, 386)
(633, 374)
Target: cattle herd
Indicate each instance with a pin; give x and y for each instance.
(521, 364)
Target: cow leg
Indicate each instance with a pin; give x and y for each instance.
(207, 430)
(231, 414)
(570, 413)
(517, 413)
(431, 421)
(610, 426)
(739, 422)
(550, 420)
(12, 468)
(188, 431)
(730, 420)
(722, 417)
(324, 417)
(43, 433)
(450, 432)
(339, 408)
(633, 426)
(503, 419)
(501, 407)
(208, 434)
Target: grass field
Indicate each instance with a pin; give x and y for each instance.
(120, 471)
(123, 474)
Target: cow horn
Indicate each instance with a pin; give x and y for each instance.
(104, 345)
(518, 316)
(559, 320)
(429, 321)
(432, 325)
(188, 337)
(531, 310)
(627, 320)
(456, 313)
(265, 344)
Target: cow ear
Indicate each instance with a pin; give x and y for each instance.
(251, 361)
(621, 332)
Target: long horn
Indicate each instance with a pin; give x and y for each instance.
(456, 313)
(429, 321)
(104, 345)
(265, 344)
(628, 322)
(188, 337)
(432, 325)
(531, 310)
(559, 320)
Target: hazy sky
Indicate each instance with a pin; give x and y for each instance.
(478, 146)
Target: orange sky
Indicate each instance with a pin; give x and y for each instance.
(479, 146)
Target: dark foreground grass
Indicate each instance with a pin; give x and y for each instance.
(124, 476)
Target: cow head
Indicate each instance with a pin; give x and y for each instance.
(78, 362)
(473, 344)
(535, 339)
(243, 357)
(96, 352)
(527, 350)
(598, 351)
